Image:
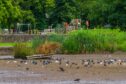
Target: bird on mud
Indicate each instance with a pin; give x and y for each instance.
(61, 69)
(46, 62)
(67, 63)
(105, 63)
(27, 69)
(58, 61)
(22, 61)
(73, 64)
(26, 63)
(34, 62)
(15, 61)
(119, 62)
(86, 63)
(77, 80)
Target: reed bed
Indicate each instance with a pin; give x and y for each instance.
(89, 41)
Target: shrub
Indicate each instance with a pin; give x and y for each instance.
(48, 48)
(21, 50)
(37, 41)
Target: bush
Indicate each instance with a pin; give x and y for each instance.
(21, 50)
(48, 48)
(36, 42)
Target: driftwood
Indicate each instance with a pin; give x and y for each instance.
(40, 56)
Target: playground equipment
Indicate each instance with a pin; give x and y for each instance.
(19, 29)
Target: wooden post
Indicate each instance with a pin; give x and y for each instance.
(66, 26)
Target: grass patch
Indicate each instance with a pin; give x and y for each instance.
(13, 44)
(21, 50)
(7, 44)
(94, 41)
(81, 41)
(87, 41)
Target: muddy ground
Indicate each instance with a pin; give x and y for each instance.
(13, 71)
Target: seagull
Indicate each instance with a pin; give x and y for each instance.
(26, 62)
(8, 62)
(86, 63)
(57, 61)
(101, 63)
(67, 63)
(15, 61)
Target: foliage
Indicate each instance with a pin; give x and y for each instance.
(21, 50)
(55, 38)
(11, 13)
(52, 12)
(37, 41)
(64, 11)
(97, 40)
(94, 41)
(48, 48)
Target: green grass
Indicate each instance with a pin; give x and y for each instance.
(84, 41)
(94, 41)
(7, 44)
(21, 50)
(88, 41)
(12, 44)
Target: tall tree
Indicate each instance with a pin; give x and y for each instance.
(64, 11)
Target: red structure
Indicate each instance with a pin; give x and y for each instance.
(66, 26)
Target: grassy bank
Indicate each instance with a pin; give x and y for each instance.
(98, 40)
(7, 44)
(79, 42)
(89, 41)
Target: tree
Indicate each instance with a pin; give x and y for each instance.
(64, 11)
(11, 13)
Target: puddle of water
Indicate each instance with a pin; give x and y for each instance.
(8, 73)
(66, 82)
(9, 77)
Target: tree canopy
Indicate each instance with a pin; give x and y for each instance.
(47, 12)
